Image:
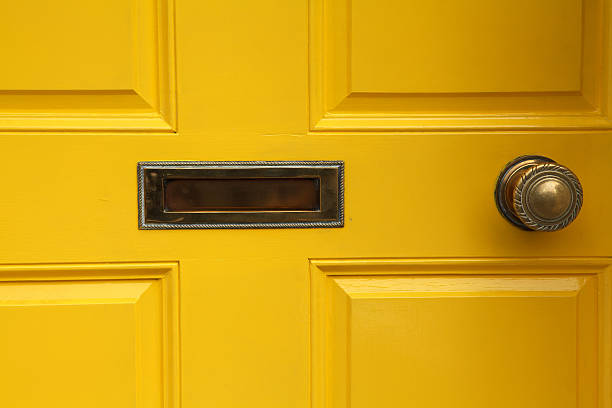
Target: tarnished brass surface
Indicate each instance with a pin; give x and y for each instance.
(536, 193)
(550, 198)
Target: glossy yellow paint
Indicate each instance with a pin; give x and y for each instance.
(70, 69)
(435, 333)
(90, 334)
(397, 65)
(443, 61)
(447, 300)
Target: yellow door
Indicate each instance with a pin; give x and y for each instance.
(422, 295)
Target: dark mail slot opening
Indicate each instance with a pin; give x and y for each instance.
(242, 194)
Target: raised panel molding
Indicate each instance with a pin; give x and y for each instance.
(88, 66)
(407, 66)
(488, 332)
(77, 335)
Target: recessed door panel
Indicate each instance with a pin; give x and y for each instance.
(474, 339)
(395, 65)
(90, 336)
(96, 65)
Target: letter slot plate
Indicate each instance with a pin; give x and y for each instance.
(262, 194)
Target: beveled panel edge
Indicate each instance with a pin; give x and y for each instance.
(457, 123)
(461, 266)
(86, 123)
(166, 58)
(142, 224)
(86, 271)
(404, 286)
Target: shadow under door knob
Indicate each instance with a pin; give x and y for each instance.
(537, 194)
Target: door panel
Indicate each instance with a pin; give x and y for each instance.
(89, 335)
(100, 65)
(397, 65)
(457, 333)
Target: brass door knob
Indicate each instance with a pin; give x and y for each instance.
(537, 194)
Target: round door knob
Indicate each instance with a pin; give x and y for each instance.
(537, 194)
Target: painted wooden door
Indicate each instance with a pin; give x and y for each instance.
(426, 297)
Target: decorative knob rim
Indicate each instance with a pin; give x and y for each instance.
(535, 193)
(524, 190)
